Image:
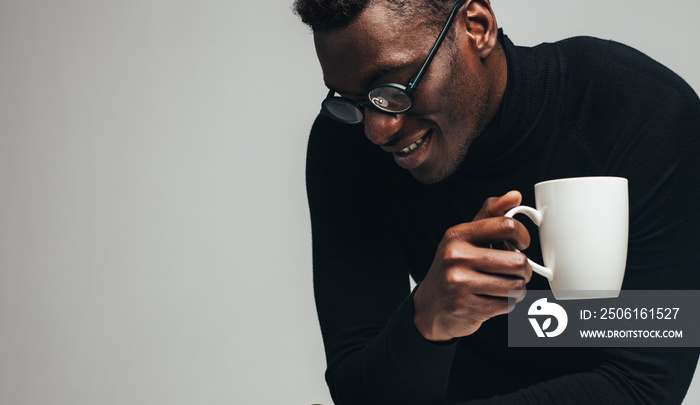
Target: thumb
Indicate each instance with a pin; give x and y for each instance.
(498, 206)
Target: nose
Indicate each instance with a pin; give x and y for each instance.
(380, 127)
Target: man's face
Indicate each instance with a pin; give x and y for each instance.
(453, 101)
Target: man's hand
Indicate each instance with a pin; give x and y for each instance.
(468, 281)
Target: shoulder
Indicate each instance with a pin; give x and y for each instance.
(620, 71)
(609, 87)
(339, 153)
(345, 173)
(331, 142)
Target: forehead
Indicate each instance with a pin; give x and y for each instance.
(377, 42)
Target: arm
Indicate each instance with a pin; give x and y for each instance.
(361, 285)
(626, 376)
(374, 351)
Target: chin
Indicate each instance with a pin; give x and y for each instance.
(428, 177)
(432, 175)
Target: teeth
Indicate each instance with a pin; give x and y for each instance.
(412, 146)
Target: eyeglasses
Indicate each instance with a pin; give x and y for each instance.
(392, 98)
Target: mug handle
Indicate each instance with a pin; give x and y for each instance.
(536, 217)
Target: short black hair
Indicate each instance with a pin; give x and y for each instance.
(326, 15)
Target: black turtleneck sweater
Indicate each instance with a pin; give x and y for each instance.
(578, 107)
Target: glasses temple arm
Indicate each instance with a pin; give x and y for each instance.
(412, 85)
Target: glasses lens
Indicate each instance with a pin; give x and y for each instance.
(390, 99)
(343, 110)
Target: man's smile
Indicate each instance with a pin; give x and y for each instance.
(413, 155)
(412, 146)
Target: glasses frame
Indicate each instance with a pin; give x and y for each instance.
(407, 90)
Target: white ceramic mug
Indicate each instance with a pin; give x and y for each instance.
(584, 228)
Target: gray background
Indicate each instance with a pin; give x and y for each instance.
(154, 235)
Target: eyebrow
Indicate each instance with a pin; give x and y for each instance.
(382, 71)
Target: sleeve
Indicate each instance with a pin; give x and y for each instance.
(361, 284)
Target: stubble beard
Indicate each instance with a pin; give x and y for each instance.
(457, 159)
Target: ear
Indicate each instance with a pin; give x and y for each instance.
(481, 26)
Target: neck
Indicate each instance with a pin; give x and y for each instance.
(497, 65)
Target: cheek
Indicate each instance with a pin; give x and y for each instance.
(436, 89)
(470, 100)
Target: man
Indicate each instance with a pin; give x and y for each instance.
(444, 125)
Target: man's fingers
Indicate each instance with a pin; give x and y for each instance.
(486, 295)
(491, 272)
(491, 230)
